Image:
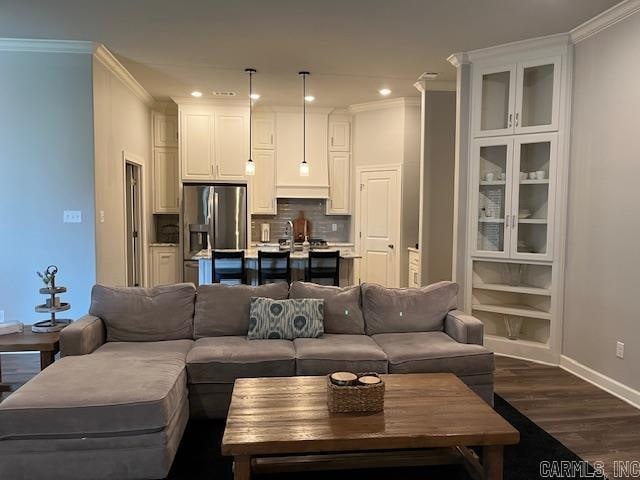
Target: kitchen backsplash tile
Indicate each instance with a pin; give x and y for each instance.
(314, 211)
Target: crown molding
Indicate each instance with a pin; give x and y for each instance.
(232, 101)
(457, 59)
(605, 20)
(559, 40)
(45, 46)
(111, 63)
(382, 104)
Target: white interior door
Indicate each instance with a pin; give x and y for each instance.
(379, 222)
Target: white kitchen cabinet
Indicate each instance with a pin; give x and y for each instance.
(263, 183)
(214, 142)
(339, 134)
(339, 200)
(414, 280)
(164, 265)
(196, 143)
(513, 213)
(264, 130)
(165, 130)
(517, 98)
(165, 180)
(231, 142)
(289, 154)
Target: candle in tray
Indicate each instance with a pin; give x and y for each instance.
(369, 380)
(343, 378)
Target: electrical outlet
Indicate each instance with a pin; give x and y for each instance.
(334, 227)
(72, 216)
(620, 350)
(1, 316)
(101, 215)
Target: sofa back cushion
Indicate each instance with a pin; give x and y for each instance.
(224, 309)
(342, 306)
(401, 310)
(285, 319)
(133, 314)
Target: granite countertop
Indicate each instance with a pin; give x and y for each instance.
(346, 252)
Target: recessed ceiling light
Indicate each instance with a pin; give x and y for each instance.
(384, 92)
(254, 96)
(196, 94)
(309, 98)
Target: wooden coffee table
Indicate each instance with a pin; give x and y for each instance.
(48, 344)
(283, 424)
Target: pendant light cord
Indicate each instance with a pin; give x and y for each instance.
(250, 71)
(304, 118)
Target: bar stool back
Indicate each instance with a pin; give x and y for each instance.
(274, 266)
(228, 267)
(324, 266)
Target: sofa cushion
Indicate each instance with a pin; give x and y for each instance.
(342, 306)
(285, 319)
(97, 395)
(432, 352)
(332, 353)
(397, 310)
(223, 359)
(133, 314)
(224, 309)
(173, 349)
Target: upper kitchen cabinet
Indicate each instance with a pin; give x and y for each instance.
(339, 133)
(196, 142)
(339, 200)
(264, 130)
(289, 153)
(263, 183)
(165, 180)
(165, 130)
(231, 137)
(517, 98)
(213, 142)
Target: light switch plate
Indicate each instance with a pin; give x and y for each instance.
(1, 316)
(72, 216)
(334, 227)
(620, 350)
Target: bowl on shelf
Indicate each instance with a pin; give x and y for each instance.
(524, 213)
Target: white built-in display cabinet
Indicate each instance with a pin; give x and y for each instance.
(514, 160)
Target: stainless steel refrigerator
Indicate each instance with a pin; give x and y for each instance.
(214, 217)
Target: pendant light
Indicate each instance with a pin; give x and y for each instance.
(304, 166)
(250, 167)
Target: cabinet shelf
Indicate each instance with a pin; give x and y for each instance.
(493, 182)
(544, 181)
(507, 341)
(497, 287)
(490, 220)
(517, 310)
(534, 221)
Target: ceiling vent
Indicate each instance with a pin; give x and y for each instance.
(224, 94)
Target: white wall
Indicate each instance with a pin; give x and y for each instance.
(391, 135)
(46, 166)
(603, 233)
(121, 122)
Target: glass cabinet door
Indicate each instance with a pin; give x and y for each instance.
(491, 178)
(533, 196)
(538, 95)
(495, 96)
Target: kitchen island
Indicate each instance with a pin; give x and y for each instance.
(298, 263)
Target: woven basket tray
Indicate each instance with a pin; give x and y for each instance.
(361, 398)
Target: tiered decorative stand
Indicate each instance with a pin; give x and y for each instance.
(52, 306)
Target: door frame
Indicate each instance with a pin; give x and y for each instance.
(396, 167)
(138, 161)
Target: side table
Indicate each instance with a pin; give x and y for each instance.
(48, 344)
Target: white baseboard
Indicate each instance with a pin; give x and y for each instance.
(614, 387)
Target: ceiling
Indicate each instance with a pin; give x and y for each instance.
(351, 47)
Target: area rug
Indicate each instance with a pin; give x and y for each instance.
(199, 457)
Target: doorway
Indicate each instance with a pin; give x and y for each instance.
(378, 213)
(134, 220)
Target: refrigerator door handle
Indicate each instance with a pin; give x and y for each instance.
(215, 213)
(210, 219)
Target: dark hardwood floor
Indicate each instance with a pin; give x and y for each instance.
(589, 421)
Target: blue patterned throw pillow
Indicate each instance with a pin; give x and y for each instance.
(286, 319)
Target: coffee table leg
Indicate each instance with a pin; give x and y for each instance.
(46, 359)
(242, 467)
(492, 457)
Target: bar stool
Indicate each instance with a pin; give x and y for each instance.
(229, 266)
(325, 266)
(274, 266)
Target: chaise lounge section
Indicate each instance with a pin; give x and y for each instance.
(146, 360)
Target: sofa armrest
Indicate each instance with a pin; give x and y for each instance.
(82, 336)
(464, 328)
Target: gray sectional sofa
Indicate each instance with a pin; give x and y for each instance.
(144, 361)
